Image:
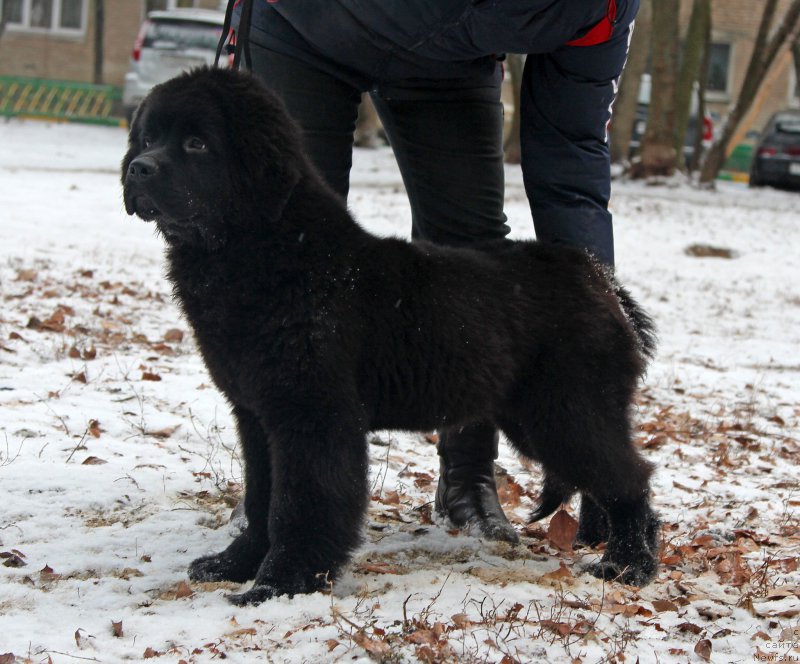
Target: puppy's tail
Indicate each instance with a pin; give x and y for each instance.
(554, 492)
(642, 324)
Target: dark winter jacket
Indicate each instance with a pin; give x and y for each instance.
(388, 40)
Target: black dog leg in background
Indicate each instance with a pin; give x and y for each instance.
(581, 430)
(593, 526)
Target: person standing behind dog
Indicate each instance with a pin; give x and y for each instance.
(433, 71)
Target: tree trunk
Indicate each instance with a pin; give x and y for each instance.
(628, 95)
(99, 30)
(512, 147)
(3, 18)
(796, 58)
(764, 52)
(702, 80)
(658, 144)
(693, 53)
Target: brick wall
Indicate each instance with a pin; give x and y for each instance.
(72, 58)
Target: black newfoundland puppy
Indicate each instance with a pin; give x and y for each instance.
(318, 332)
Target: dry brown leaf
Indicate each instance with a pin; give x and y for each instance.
(461, 620)
(47, 574)
(563, 572)
(376, 648)
(562, 530)
(116, 629)
(703, 649)
(690, 627)
(12, 560)
(662, 605)
(505, 576)
(27, 275)
(422, 637)
(378, 568)
(245, 631)
(164, 432)
(94, 428)
(173, 336)
(509, 492)
(93, 461)
(177, 591)
(709, 251)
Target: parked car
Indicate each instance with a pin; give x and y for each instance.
(640, 122)
(776, 158)
(169, 42)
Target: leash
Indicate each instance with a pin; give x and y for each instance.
(237, 43)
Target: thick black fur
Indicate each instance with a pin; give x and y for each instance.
(318, 332)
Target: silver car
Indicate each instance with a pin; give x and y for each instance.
(169, 43)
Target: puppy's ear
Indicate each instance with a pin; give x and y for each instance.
(268, 150)
(280, 173)
(269, 168)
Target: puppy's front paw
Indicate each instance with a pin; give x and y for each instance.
(255, 595)
(637, 574)
(222, 567)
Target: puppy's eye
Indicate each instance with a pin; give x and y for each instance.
(194, 144)
(146, 141)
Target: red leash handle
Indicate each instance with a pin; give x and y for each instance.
(602, 30)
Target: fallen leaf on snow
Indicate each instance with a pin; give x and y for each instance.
(709, 251)
(505, 576)
(703, 649)
(174, 335)
(461, 620)
(563, 572)
(662, 605)
(376, 648)
(12, 559)
(562, 529)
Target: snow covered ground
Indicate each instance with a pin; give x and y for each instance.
(118, 463)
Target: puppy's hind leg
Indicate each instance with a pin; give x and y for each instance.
(581, 431)
(240, 561)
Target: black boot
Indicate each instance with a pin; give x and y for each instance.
(467, 493)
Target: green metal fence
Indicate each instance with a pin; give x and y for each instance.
(59, 100)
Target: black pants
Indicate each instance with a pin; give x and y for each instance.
(447, 139)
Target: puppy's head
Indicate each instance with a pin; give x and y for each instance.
(210, 152)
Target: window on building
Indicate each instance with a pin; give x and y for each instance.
(41, 13)
(71, 17)
(60, 16)
(12, 11)
(719, 63)
(153, 5)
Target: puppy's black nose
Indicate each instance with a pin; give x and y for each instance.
(143, 168)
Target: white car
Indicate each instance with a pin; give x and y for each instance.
(170, 42)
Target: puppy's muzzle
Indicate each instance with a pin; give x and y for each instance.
(142, 169)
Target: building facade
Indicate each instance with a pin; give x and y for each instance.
(57, 39)
(734, 27)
